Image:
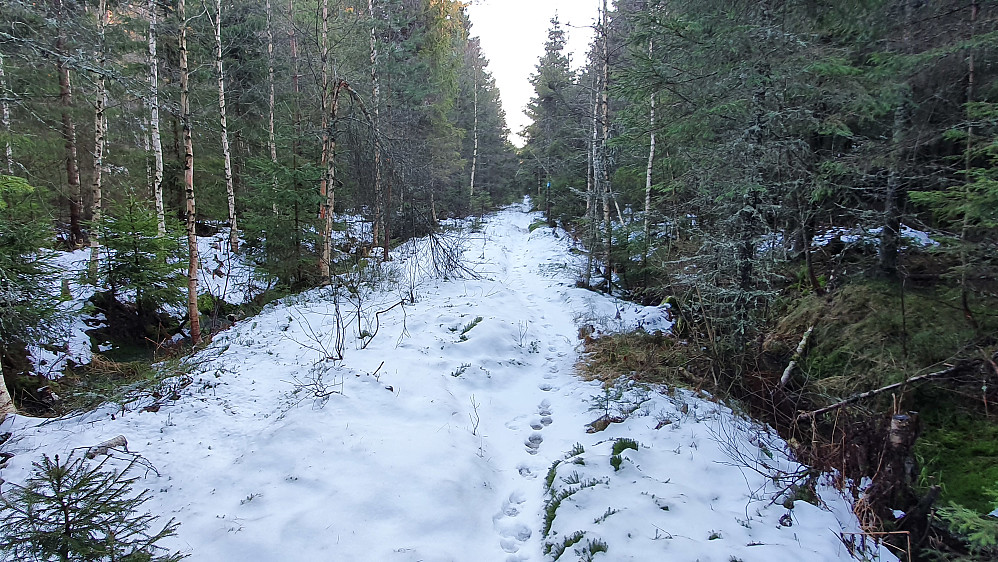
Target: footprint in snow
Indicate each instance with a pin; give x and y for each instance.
(545, 387)
(533, 443)
(512, 533)
(540, 421)
(544, 408)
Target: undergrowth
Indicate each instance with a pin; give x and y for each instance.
(866, 334)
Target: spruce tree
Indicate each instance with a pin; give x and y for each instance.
(73, 510)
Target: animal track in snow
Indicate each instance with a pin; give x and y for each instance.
(544, 408)
(512, 533)
(533, 443)
(545, 387)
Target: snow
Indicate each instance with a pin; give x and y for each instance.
(858, 234)
(433, 440)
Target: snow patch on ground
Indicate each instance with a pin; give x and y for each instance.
(432, 440)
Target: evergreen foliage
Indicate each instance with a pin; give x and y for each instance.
(27, 306)
(76, 511)
(140, 264)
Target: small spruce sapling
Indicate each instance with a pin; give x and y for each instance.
(74, 511)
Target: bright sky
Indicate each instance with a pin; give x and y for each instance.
(513, 33)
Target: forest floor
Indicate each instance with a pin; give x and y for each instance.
(453, 428)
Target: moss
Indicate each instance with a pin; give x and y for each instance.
(864, 336)
(958, 448)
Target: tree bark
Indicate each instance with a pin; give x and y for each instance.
(324, 159)
(100, 123)
(591, 188)
(651, 160)
(5, 122)
(474, 152)
(890, 236)
(76, 237)
(965, 226)
(604, 171)
(230, 190)
(330, 177)
(6, 403)
(271, 138)
(380, 207)
(192, 240)
(154, 132)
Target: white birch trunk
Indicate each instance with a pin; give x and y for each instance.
(192, 240)
(651, 160)
(271, 138)
(230, 191)
(6, 403)
(380, 205)
(326, 164)
(100, 124)
(154, 134)
(474, 152)
(8, 150)
(604, 172)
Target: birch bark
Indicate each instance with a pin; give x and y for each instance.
(192, 240)
(230, 190)
(154, 132)
(100, 124)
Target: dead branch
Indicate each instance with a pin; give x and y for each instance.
(798, 353)
(959, 367)
(377, 323)
(103, 448)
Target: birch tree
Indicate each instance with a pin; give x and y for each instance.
(191, 205)
(5, 119)
(223, 122)
(474, 152)
(601, 159)
(100, 125)
(271, 139)
(648, 170)
(380, 208)
(154, 132)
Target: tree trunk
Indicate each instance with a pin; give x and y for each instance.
(965, 226)
(76, 237)
(100, 123)
(5, 122)
(271, 138)
(296, 88)
(651, 160)
(6, 402)
(591, 188)
(324, 165)
(192, 239)
(330, 177)
(604, 171)
(890, 236)
(154, 133)
(223, 122)
(474, 153)
(380, 207)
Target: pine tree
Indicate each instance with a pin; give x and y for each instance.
(74, 511)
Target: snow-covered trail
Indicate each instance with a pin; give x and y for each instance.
(439, 445)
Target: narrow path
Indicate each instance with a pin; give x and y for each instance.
(435, 439)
